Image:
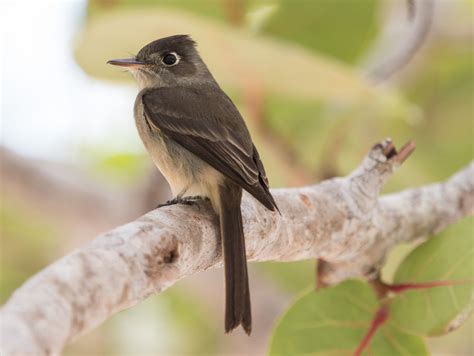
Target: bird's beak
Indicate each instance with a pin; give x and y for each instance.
(126, 62)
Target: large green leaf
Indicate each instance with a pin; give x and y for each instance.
(446, 257)
(334, 321)
(308, 23)
(237, 58)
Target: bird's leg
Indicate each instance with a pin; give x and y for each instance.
(192, 200)
(169, 202)
(188, 200)
(173, 201)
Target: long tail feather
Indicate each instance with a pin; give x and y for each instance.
(238, 310)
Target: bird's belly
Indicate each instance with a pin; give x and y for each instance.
(186, 174)
(178, 174)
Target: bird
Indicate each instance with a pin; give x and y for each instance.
(199, 141)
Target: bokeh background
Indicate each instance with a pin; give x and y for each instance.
(318, 83)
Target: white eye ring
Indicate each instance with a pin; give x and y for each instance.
(170, 56)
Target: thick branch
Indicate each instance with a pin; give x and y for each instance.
(341, 220)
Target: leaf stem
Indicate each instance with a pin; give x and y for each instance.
(380, 317)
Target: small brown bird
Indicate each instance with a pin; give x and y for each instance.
(199, 141)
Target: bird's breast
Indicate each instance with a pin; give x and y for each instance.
(182, 169)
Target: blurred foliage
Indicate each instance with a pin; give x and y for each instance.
(290, 276)
(213, 9)
(444, 90)
(312, 25)
(333, 321)
(297, 21)
(193, 321)
(28, 237)
(119, 168)
(157, 321)
(237, 58)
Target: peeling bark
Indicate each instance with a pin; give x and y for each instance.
(342, 221)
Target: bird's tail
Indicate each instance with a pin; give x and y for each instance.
(237, 310)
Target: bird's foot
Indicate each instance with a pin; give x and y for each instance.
(189, 200)
(169, 202)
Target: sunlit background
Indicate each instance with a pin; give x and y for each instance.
(313, 80)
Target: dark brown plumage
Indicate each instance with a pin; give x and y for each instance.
(208, 124)
(199, 141)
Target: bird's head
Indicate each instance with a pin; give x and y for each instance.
(169, 61)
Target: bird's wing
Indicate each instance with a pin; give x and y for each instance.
(208, 124)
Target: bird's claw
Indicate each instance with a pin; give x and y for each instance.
(169, 202)
(191, 201)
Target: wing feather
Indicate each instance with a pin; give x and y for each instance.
(210, 126)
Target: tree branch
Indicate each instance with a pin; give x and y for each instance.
(341, 220)
(386, 58)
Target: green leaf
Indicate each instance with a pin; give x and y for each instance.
(307, 23)
(334, 321)
(446, 257)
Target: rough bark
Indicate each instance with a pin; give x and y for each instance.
(342, 221)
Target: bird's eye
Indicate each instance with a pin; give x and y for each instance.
(170, 59)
